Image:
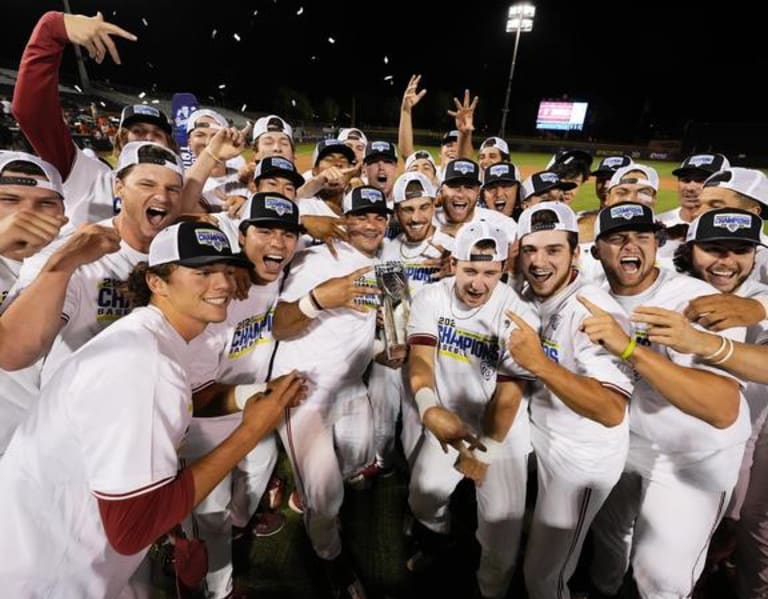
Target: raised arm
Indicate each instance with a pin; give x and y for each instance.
(411, 97)
(465, 124)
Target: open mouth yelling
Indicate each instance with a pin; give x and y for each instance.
(540, 276)
(156, 216)
(500, 205)
(273, 263)
(630, 265)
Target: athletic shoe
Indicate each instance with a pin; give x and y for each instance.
(363, 479)
(295, 502)
(266, 524)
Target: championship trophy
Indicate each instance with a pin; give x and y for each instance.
(395, 307)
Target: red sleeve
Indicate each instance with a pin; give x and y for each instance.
(422, 339)
(134, 524)
(36, 103)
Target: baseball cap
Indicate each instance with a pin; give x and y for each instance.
(702, 164)
(380, 149)
(620, 176)
(419, 155)
(609, 164)
(542, 182)
(192, 244)
(147, 152)
(364, 199)
(352, 133)
(501, 172)
(626, 216)
(270, 123)
(725, 224)
(411, 185)
(462, 169)
(332, 146)
(547, 216)
(569, 156)
(452, 135)
(471, 234)
(52, 179)
(746, 181)
(220, 121)
(277, 166)
(270, 209)
(496, 142)
(141, 113)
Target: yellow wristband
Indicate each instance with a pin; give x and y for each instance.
(629, 350)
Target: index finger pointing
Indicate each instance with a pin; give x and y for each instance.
(593, 309)
(119, 31)
(521, 324)
(356, 274)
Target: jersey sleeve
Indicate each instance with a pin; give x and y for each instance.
(127, 448)
(306, 272)
(508, 368)
(422, 328)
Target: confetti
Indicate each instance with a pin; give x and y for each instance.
(237, 37)
(103, 104)
(145, 102)
(114, 13)
(155, 101)
(143, 20)
(142, 94)
(77, 87)
(388, 78)
(223, 86)
(300, 11)
(150, 65)
(313, 58)
(386, 60)
(293, 103)
(244, 107)
(255, 12)
(331, 40)
(213, 33)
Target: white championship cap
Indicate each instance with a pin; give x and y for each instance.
(52, 179)
(220, 121)
(147, 152)
(411, 185)
(746, 181)
(620, 176)
(471, 234)
(557, 217)
(271, 123)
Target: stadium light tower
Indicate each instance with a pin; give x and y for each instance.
(519, 20)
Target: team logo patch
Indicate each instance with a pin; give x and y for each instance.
(380, 146)
(613, 161)
(283, 164)
(497, 170)
(701, 159)
(549, 178)
(371, 195)
(554, 322)
(733, 222)
(627, 212)
(279, 205)
(147, 110)
(215, 239)
(463, 167)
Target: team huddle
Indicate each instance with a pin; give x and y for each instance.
(166, 332)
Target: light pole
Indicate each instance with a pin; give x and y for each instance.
(520, 19)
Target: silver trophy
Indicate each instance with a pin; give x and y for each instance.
(395, 307)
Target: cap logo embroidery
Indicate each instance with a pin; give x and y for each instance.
(627, 212)
(733, 222)
(702, 159)
(613, 161)
(215, 239)
(148, 110)
(380, 146)
(279, 205)
(371, 195)
(282, 163)
(463, 167)
(549, 177)
(499, 169)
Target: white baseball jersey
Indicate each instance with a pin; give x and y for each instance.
(227, 185)
(755, 393)
(471, 350)
(93, 300)
(237, 351)
(413, 256)
(670, 218)
(335, 349)
(88, 192)
(315, 207)
(107, 426)
(9, 273)
(760, 271)
(651, 415)
(564, 343)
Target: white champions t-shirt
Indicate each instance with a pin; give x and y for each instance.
(93, 300)
(336, 347)
(652, 416)
(88, 192)
(755, 393)
(107, 426)
(564, 343)
(471, 351)
(413, 256)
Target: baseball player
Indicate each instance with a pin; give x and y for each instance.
(421, 161)
(501, 186)
(230, 364)
(326, 323)
(688, 423)
(463, 381)
(544, 186)
(572, 166)
(579, 427)
(92, 477)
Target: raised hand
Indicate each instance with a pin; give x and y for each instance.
(88, 244)
(341, 292)
(524, 345)
(602, 328)
(93, 33)
(412, 96)
(26, 232)
(465, 113)
(226, 144)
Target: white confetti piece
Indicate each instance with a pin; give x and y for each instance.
(213, 33)
(300, 11)
(77, 87)
(331, 40)
(237, 37)
(103, 104)
(388, 78)
(146, 23)
(155, 101)
(223, 86)
(293, 103)
(142, 94)
(244, 107)
(386, 60)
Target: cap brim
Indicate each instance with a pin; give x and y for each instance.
(337, 149)
(602, 172)
(725, 238)
(235, 260)
(377, 155)
(565, 185)
(292, 176)
(147, 118)
(371, 210)
(629, 227)
(680, 172)
(498, 180)
(269, 223)
(471, 180)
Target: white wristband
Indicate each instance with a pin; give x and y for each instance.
(307, 307)
(244, 392)
(494, 450)
(425, 398)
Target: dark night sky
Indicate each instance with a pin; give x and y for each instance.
(639, 64)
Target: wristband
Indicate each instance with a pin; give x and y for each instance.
(494, 450)
(425, 398)
(714, 354)
(629, 350)
(727, 355)
(244, 392)
(308, 307)
(208, 151)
